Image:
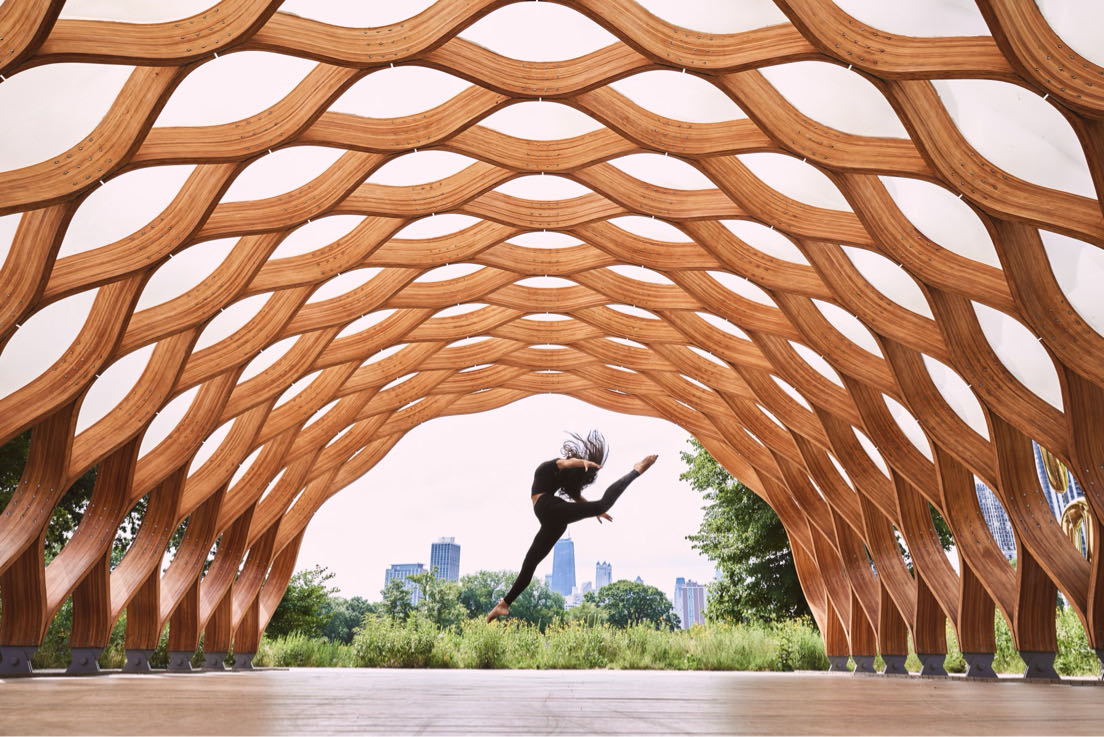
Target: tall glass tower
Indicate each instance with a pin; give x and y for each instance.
(444, 558)
(603, 574)
(563, 566)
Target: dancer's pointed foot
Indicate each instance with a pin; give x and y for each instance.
(644, 465)
(501, 609)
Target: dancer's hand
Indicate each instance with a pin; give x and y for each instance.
(604, 516)
(587, 465)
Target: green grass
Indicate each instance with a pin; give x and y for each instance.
(381, 642)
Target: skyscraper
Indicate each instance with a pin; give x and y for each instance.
(603, 574)
(404, 571)
(444, 559)
(997, 519)
(563, 566)
(689, 602)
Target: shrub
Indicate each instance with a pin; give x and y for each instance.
(1007, 659)
(298, 649)
(575, 645)
(481, 645)
(381, 641)
(1075, 657)
(800, 647)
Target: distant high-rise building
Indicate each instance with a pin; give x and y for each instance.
(444, 559)
(563, 566)
(603, 574)
(548, 580)
(577, 595)
(638, 579)
(404, 571)
(689, 602)
(997, 519)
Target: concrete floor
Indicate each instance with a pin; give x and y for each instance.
(333, 701)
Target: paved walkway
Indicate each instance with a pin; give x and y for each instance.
(334, 701)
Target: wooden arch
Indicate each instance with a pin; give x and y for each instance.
(730, 387)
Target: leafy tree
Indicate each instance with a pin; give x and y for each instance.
(303, 608)
(537, 605)
(440, 601)
(344, 616)
(70, 509)
(67, 515)
(745, 538)
(588, 613)
(396, 602)
(627, 603)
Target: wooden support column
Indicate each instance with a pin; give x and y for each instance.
(84, 564)
(1034, 629)
(835, 641)
(892, 635)
(92, 619)
(216, 635)
(184, 630)
(247, 636)
(23, 526)
(863, 640)
(976, 639)
(143, 627)
(23, 601)
(930, 630)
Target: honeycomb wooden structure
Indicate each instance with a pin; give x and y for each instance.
(772, 419)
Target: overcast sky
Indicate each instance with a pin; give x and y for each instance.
(469, 477)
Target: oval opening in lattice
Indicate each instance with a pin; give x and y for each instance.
(538, 32)
(42, 127)
(663, 171)
(541, 121)
(233, 87)
(679, 97)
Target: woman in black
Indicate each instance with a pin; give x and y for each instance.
(577, 469)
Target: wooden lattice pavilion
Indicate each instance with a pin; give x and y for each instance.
(774, 389)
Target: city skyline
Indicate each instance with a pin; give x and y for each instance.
(445, 564)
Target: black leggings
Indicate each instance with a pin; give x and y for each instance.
(555, 515)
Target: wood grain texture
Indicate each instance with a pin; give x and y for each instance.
(727, 367)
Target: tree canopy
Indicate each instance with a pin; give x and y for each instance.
(538, 604)
(440, 600)
(396, 602)
(304, 606)
(343, 616)
(626, 603)
(745, 538)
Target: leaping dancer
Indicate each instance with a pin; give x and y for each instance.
(570, 474)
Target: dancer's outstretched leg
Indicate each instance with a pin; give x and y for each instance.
(569, 513)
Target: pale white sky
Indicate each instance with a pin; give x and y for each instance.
(469, 476)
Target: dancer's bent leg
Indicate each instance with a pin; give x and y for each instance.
(542, 545)
(569, 513)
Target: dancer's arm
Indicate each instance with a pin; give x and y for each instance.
(575, 463)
